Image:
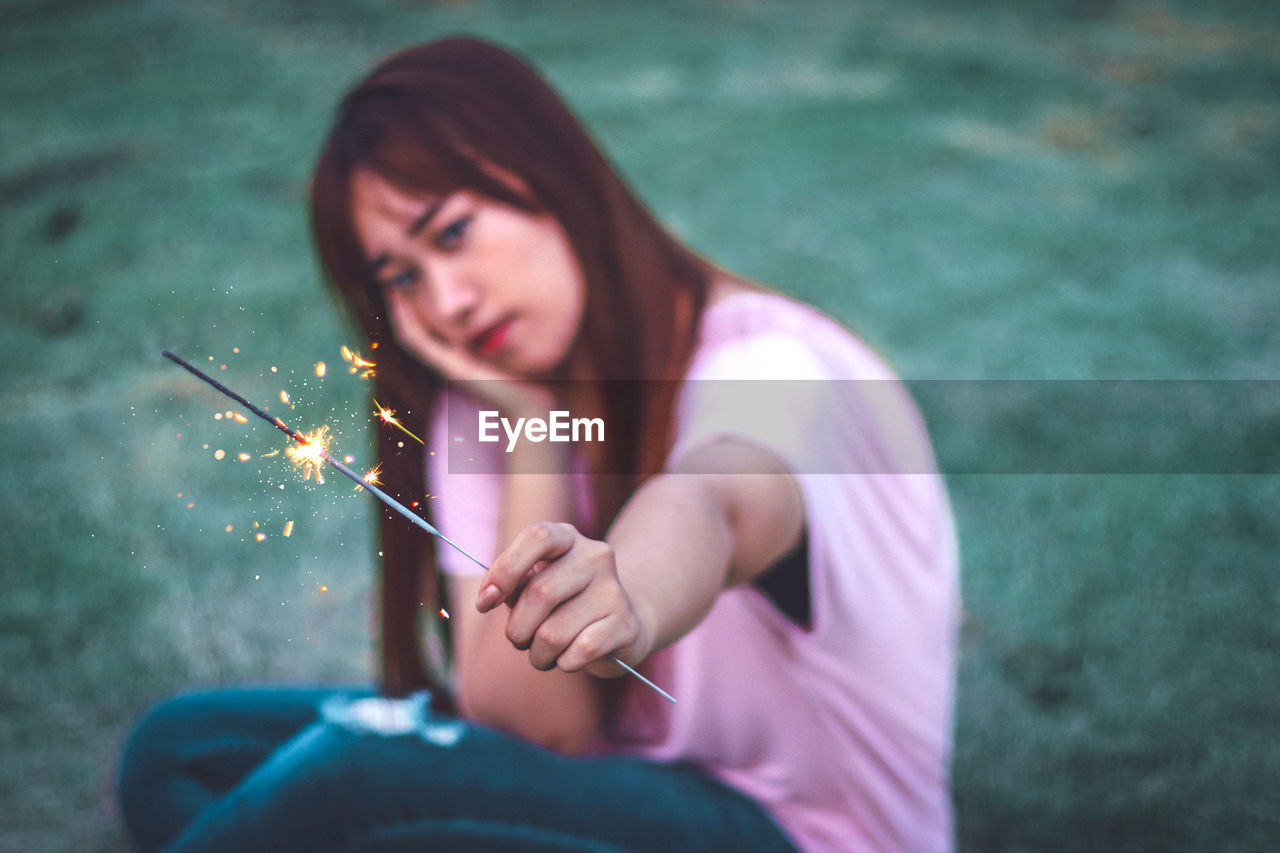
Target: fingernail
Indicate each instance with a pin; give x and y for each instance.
(489, 596)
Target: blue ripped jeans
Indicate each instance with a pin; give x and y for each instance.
(322, 770)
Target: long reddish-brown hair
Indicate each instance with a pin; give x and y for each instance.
(456, 114)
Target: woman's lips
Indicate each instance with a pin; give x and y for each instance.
(492, 338)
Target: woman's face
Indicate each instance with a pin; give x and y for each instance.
(486, 278)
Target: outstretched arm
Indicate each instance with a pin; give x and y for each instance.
(724, 515)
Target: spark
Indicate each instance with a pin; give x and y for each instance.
(260, 536)
(371, 477)
(324, 588)
(309, 453)
(288, 528)
(358, 363)
(444, 613)
(389, 417)
(239, 418)
(219, 453)
(320, 369)
(284, 397)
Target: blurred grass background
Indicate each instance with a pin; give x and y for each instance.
(1074, 189)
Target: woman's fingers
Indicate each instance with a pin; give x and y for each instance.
(589, 648)
(540, 542)
(555, 635)
(545, 593)
(567, 605)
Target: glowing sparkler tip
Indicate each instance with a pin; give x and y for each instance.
(310, 452)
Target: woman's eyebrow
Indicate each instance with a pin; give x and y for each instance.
(414, 228)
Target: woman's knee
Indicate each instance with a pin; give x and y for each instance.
(194, 745)
(150, 768)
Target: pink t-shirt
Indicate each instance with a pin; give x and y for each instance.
(840, 729)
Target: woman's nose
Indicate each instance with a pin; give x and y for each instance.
(456, 297)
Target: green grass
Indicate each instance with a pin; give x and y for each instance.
(1080, 190)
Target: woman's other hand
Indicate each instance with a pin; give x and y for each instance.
(513, 395)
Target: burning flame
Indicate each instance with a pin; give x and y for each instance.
(358, 364)
(389, 417)
(309, 453)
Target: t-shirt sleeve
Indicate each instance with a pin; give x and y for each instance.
(766, 389)
(464, 506)
(821, 411)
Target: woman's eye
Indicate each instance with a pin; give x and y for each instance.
(402, 280)
(451, 235)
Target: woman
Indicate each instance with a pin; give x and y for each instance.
(778, 554)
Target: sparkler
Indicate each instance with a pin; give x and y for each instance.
(313, 450)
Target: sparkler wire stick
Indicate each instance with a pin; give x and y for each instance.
(374, 490)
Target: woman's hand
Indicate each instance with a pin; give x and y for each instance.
(568, 606)
(512, 394)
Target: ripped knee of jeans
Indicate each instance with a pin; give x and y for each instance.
(386, 717)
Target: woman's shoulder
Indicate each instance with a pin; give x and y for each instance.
(750, 332)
